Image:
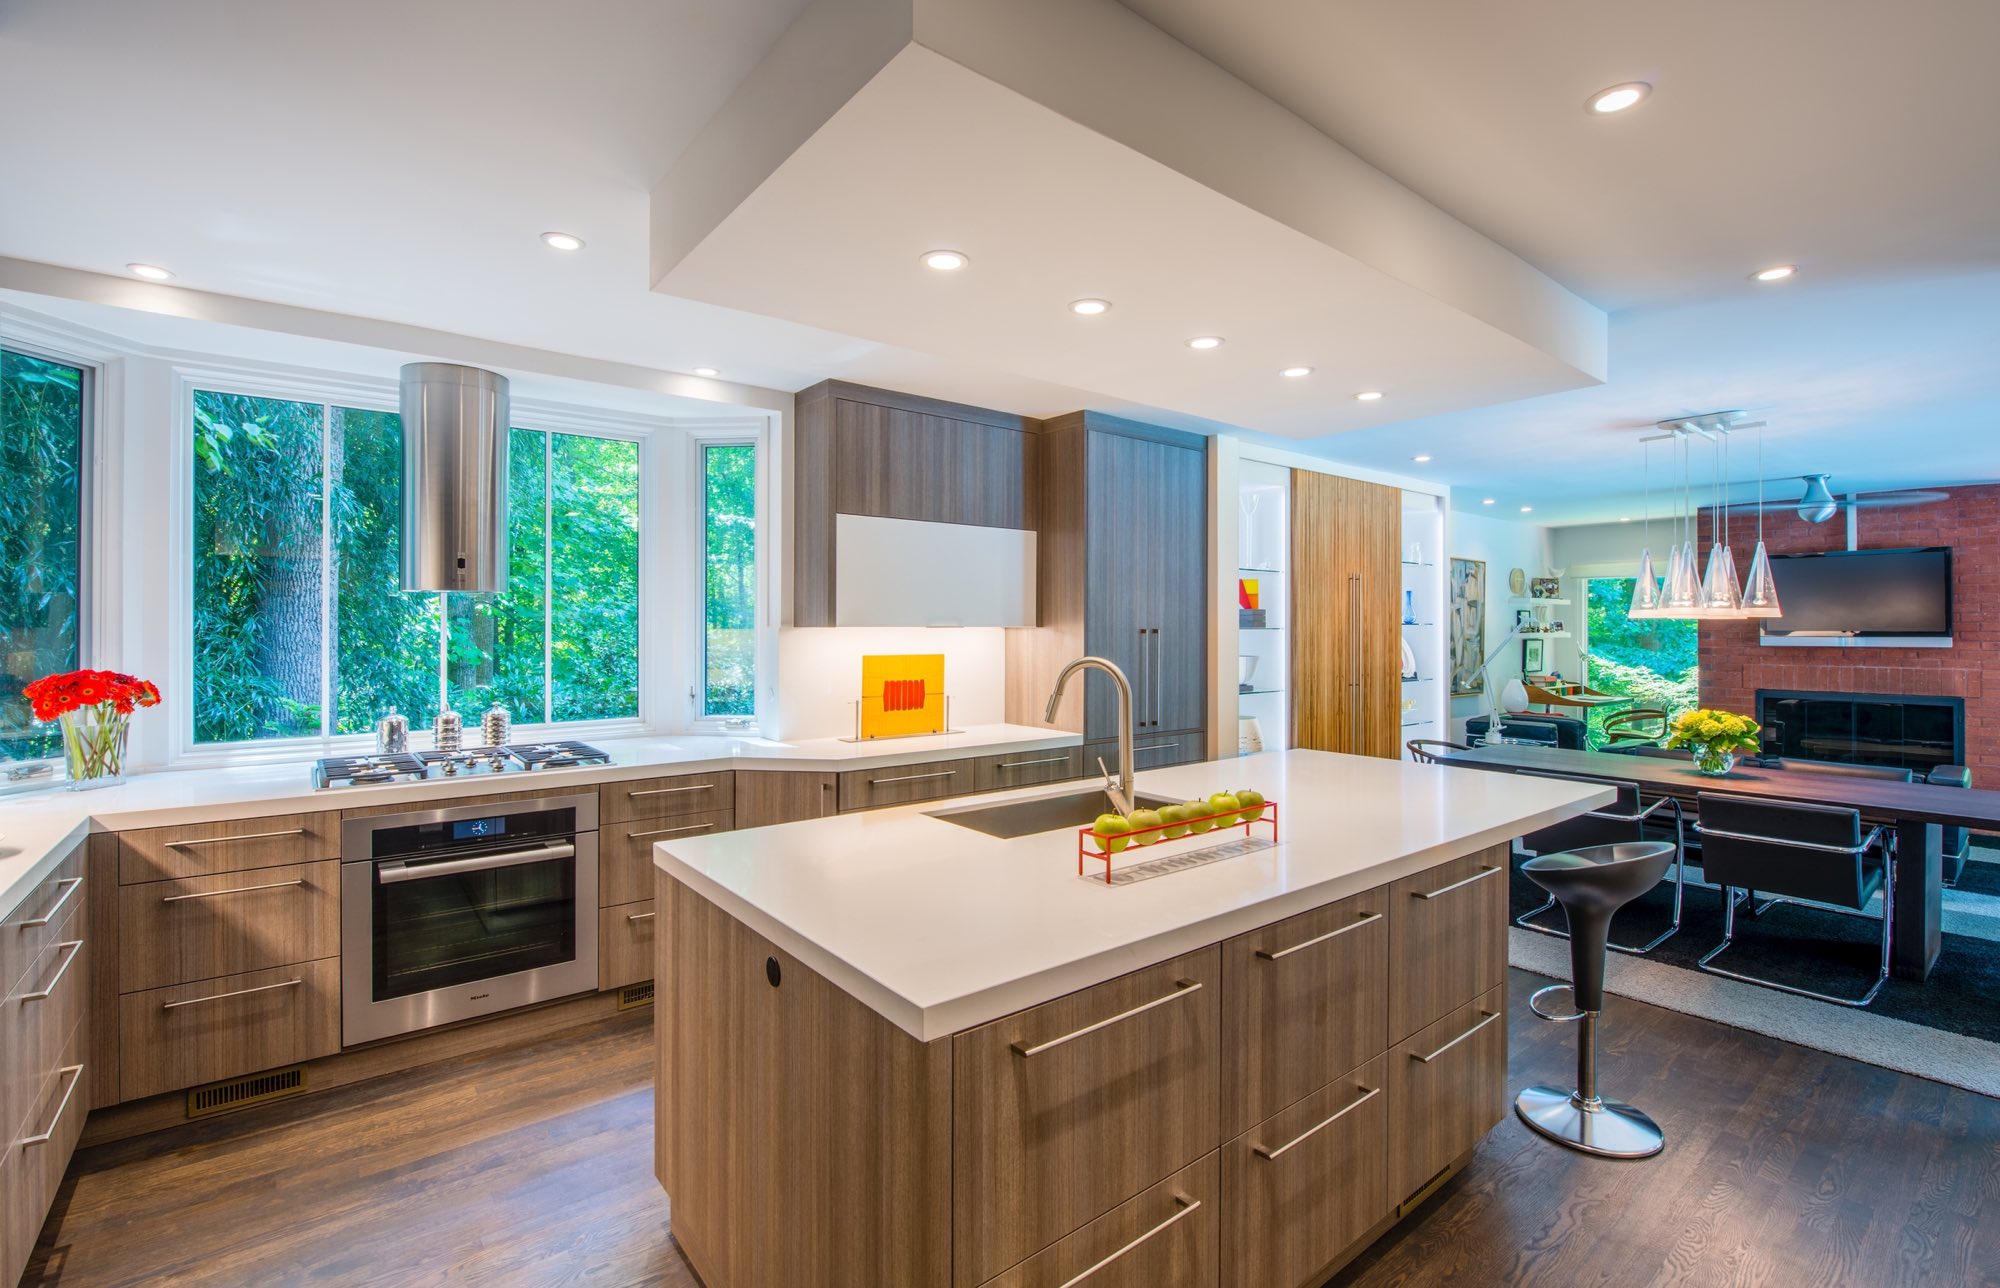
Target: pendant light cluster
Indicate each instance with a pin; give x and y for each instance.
(1688, 590)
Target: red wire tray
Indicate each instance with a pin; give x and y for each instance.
(1089, 846)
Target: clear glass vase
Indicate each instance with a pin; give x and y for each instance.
(94, 745)
(1713, 761)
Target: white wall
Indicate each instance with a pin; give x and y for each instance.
(1504, 545)
(821, 670)
(1604, 549)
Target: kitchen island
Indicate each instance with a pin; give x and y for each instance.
(897, 1051)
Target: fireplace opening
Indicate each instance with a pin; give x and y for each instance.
(1908, 731)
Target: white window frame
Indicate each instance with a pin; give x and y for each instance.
(693, 633)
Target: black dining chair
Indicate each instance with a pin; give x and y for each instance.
(1626, 819)
(1431, 751)
(1797, 853)
(1957, 840)
(1643, 726)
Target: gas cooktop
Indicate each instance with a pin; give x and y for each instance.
(431, 766)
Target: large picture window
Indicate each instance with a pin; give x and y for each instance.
(301, 628)
(43, 405)
(729, 580)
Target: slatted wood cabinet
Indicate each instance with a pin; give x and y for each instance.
(1251, 1114)
(1346, 650)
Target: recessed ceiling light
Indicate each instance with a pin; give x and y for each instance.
(945, 261)
(1527, 509)
(1487, 501)
(151, 272)
(563, 241)
(1618, 97)
(1422, 458)
(1089, 308)
(1368, 395)
(706, 371)
(1205, 342)
(1775, 273)
(1293, 373)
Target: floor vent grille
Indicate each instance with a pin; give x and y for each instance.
(635, 995)
(236, 1093)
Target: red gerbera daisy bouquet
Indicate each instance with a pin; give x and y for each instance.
(95, 709)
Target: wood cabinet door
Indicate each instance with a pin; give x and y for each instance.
(666, 797)
(1167, 1235)
(1303, 1001)
(170, 1038)
(1064, 1110)
(625, 851)
(897, 463)
(1026, 768)
(232, 845)
(1122, 574)
(1149, 751)
(625, 944)
(904, 784)
(1447, 1089)
(1447, 938)
(1180, 668)
(767, 797)
(176, 932)
(1305, 1183)
(1346, 648)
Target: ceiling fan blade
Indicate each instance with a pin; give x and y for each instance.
(1891, 500)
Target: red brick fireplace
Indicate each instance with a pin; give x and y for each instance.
(1734, 666)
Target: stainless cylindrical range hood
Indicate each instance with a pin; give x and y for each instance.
(455, 426)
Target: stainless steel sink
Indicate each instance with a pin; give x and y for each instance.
(1010, 819)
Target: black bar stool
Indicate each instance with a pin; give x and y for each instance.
(1591, 884)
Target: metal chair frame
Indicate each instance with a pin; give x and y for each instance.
(1876, 836)
(1525, 922)
(1419, 749)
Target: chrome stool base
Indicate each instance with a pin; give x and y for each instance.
(1608, 1128)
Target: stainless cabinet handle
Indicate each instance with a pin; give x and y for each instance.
(669, 831)
(913, 778)
(75, 947)
(74, 884)
(1309, 1132)
(241, 992)
(1181, 1201)
(1270, 956)
(1159, 669)
(669, 791)
(1426, 1059)
(1023, 764)
(1480, 875)
(74, 1072)
(225, 840)
(638, 916)
(1144, 694)
(1354, 681)
(1182, 988)
(1168, 745)
(212, 894)
(391, 873)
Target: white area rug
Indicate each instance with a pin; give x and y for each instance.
(1874, 1039)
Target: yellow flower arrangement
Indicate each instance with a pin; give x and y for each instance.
(1713, 737)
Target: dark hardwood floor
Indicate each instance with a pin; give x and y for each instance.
(1784, 1167)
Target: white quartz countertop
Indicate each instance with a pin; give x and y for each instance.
(39, 829)
(939, 928)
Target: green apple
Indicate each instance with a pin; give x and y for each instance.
(1110, 830)
(1252, 802)
(1196, 813)
(1175, 817)
(1224, 806)
(1144, 820)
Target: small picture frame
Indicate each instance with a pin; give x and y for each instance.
(1545, 588)
(1524, 620)
(1533, 656)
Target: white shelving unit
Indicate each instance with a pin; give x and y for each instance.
(1263, 552)
(1422, 611)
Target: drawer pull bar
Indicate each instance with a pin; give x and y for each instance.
(1156, 746)
(1182, 988)
(1426, 1059)
(638, 916)
(1480, 875)
(211, 894)
(1045, 760)
(75, 947)
(670, 791)
(74, 1072)
(74, 884)
(241, 992)
(1310, 1132)
(669, 831)
(1270, 956)
(225, 840)
(1181, 1201)
(913, 778)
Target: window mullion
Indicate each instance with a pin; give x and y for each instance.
(326, 551)
(548, 575)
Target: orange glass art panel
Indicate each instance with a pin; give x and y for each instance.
(902, 694)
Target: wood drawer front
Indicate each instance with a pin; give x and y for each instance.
(172, 1038)
(1303, 1001)
(666, 797)
(51, 903)
(1169, 1235)
(625, 851)
(1447, 1089)
(1062, 1111)
(1026, 768)
(31, 1173)
(37, 1017)
(236, 845)
(1447, 939)
(176, 932)
(1307, 1182)
(625, 944)
(766, 797)
(902, 784)
(1149, 751)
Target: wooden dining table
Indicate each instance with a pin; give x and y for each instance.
(1916, 812)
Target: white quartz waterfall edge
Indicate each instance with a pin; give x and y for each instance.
(1949, 1058)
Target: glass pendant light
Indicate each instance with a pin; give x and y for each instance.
(1760, 591)
(1646, 590)
(1681, 596)
(1721, 597)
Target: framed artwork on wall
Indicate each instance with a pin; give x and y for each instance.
(1468, 624)
(1533, 656)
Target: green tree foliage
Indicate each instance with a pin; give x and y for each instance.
(41, 457)
(593, 578)
(729, 563)
(385, 642)
(1656, 662)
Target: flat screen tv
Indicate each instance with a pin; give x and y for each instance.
(1900, 597)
